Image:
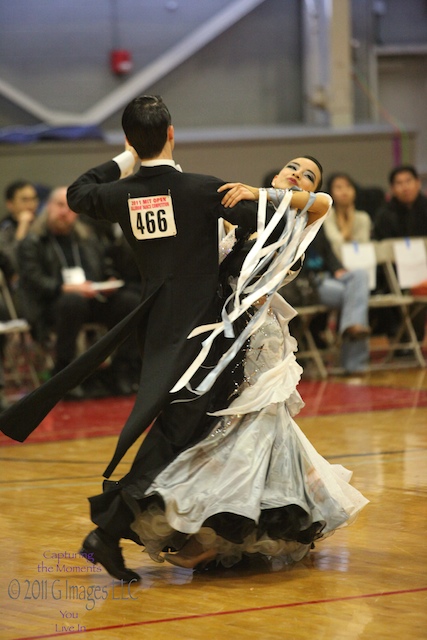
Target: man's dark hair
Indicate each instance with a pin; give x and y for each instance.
(13, 187)
(319, 166)
(145, 122)
(403, 168)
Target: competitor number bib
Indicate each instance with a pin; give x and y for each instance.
(152, 217)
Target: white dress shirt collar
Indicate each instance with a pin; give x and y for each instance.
(158, 162)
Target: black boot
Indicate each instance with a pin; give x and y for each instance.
(106, 551)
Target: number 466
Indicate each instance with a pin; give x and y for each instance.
(154, 221)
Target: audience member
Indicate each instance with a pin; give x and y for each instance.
(59, 262)
(345, 223)
(345, 291)
(121, 255)
(403, 216)
(103, 229)
(21, 205)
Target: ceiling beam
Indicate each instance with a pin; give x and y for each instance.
(145, 78)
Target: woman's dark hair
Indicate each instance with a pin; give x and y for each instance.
(145, 122)
(339, 174)
(268, 178)
(319, 166)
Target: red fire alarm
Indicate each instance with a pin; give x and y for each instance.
(121, 61)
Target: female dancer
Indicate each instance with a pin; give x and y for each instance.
(255, 484)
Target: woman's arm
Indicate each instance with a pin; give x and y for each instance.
(237, 191)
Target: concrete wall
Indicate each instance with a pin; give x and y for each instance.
(57, 52)
(238, 155)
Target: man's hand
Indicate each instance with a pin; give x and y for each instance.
(128, 147)
(236, 191)
(127, 160)
(340, 273)
(108, 292)
(85, 289)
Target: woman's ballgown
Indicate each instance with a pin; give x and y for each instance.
(255, 484)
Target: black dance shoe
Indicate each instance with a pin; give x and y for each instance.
(109, 555)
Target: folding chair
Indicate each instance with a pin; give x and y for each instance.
(405, 337)
(18, 353)
(383, 256)
(312, 352)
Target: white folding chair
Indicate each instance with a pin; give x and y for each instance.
(405, 337)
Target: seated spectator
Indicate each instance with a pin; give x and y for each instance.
(21, 205)
(345, 291)
(345, 223)
(123, 261)
(103, 229)
(403, 216)
(59, 260)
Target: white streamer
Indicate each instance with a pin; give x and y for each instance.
(274, 261)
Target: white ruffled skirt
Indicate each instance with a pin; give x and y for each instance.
(255, 484)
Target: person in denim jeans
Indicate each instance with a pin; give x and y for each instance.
(346, 291)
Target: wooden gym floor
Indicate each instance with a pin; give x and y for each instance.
(366, 581)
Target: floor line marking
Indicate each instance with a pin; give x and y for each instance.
(214, 614)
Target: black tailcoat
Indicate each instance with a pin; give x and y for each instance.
(180, 281)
